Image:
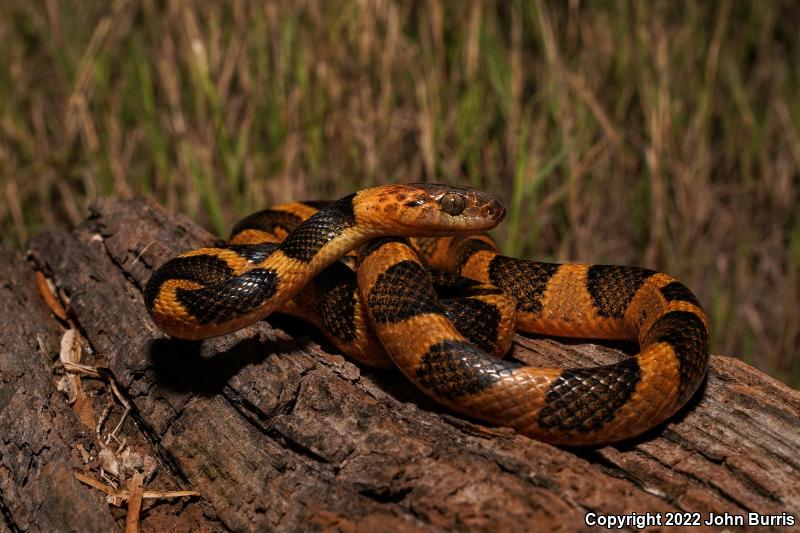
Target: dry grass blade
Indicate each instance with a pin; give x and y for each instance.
(120, 496)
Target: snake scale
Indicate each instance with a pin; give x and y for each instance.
(416, 244)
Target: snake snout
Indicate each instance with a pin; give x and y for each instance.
(464, 208)
(484, 212)
(494, 210)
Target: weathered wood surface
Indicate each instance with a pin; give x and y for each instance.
(277, 432)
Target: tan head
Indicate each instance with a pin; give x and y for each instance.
(424, 209)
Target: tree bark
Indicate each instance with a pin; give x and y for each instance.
(279, 432)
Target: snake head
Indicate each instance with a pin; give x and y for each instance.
(426, 209)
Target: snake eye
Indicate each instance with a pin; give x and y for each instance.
(453, 203)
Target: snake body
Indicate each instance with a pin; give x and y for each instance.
(285, 259)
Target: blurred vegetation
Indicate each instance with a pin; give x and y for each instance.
(663, 134)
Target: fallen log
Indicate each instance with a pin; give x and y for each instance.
(275, 430)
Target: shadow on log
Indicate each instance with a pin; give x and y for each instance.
(277, 432)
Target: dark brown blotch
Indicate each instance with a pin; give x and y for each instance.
(452, 369)
(203, 269)
(415, 201)
(336, 291)
(688, 336)
(585, 399)
(677, 291)
(612, 288)
(222, 302)
(268, 221)
(526, 281)
(477, 320)
(318, 230)
(402, 291)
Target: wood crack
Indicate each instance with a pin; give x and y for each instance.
(8, 518)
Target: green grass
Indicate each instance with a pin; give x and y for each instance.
(650, 133)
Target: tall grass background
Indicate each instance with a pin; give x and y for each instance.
(661, 134)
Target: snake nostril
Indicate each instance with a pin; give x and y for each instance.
(497, 210)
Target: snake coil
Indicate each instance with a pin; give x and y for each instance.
(287, 258)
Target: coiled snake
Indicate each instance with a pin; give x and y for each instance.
(287, 258)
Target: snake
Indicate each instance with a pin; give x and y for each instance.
(402, 240)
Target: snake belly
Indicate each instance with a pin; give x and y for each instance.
(216, 290)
